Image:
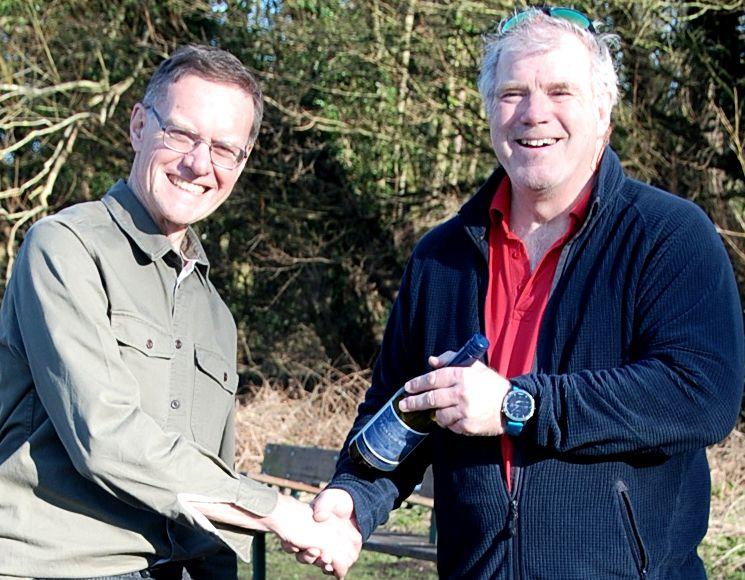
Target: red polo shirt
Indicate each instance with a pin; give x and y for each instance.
(516, 296)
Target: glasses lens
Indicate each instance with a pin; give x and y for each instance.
(226, 156)
(179, 140)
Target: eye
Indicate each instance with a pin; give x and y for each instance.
(510, 95)
(561, 92)
(226, 152)
(181, 136)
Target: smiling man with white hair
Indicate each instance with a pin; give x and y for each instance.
(576, 449)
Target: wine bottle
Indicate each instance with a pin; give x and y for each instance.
(391, 435)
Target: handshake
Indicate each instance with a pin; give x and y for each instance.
(324, 533)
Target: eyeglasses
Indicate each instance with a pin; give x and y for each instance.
(570, 14)
(185, 141)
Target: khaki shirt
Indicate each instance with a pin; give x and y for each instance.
(116, 398)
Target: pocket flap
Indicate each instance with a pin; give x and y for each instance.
(217, 366)
(150, 339)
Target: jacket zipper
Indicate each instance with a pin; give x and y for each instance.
(643, 558)
(513, 516)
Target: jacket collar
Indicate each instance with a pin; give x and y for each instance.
(474, 214)
(132, 217)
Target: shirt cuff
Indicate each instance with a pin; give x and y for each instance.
(251, 496)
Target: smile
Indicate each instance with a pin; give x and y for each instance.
(536, 142)
(186, 185)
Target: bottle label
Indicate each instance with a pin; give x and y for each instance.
(388, 439)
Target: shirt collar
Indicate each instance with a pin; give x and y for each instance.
(135, 221)
(500, 205)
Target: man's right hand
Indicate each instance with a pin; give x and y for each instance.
(334, 507)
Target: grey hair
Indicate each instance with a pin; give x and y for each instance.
(209, 63)
(535, 33)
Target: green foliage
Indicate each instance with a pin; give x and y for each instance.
(373, 133)
(370, 566)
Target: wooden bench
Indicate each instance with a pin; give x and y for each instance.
(308, 469)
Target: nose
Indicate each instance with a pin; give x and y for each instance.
(536, 107)
(199, 160)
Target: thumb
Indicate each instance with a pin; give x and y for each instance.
(323, 507)
(441, 360)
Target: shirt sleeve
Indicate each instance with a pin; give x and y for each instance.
(93, 400)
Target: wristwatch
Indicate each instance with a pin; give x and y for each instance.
(518, 406)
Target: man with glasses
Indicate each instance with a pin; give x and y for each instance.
(616, 342)
(117, 362)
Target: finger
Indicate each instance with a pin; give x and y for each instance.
(289, 547)
(438, 379)
(437, 399)
(306, 558)
(424, 401)
(441, 359)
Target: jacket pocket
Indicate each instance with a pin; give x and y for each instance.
(215, 384)
(631, 529)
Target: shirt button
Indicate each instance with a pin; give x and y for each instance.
(175, 404)
(179, 344)
(225, 377)
(515, 254)
(149, 343)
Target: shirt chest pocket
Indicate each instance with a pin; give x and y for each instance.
(215, 384)
(147, 350)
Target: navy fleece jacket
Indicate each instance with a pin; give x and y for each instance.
(639, 367)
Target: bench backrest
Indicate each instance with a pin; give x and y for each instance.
(314, 465)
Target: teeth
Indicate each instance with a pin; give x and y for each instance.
(186, 185)
(536, 142)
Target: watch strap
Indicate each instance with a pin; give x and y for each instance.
(514, 428)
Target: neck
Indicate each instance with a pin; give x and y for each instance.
(540, 221)
(177, 240)
(533, 209)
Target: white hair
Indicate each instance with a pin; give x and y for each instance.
(536, 32)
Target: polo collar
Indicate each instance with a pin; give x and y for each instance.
(475, 212)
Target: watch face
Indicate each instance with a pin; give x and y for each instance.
(518, 406)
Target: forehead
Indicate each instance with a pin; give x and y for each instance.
(209, 107)
(564, 58)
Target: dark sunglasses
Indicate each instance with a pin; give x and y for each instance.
(569, 14)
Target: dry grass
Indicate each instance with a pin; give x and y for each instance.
(278, 414)
(323, 416)
(724, 546)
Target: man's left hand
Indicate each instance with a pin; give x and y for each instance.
(467, 400)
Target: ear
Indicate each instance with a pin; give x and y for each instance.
(137, 121)
(604, 114)
(249, 148)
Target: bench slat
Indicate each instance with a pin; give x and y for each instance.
(306, 464)
(299, 486)
(398, 544)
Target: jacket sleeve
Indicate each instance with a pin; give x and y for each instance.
(93, 400)
(376, 494)
(682, 385)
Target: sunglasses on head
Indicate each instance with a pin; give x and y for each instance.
(570, 14)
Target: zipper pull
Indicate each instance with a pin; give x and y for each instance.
(512, 517)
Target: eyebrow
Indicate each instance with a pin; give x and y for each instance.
(563, 85)
(551, 86)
